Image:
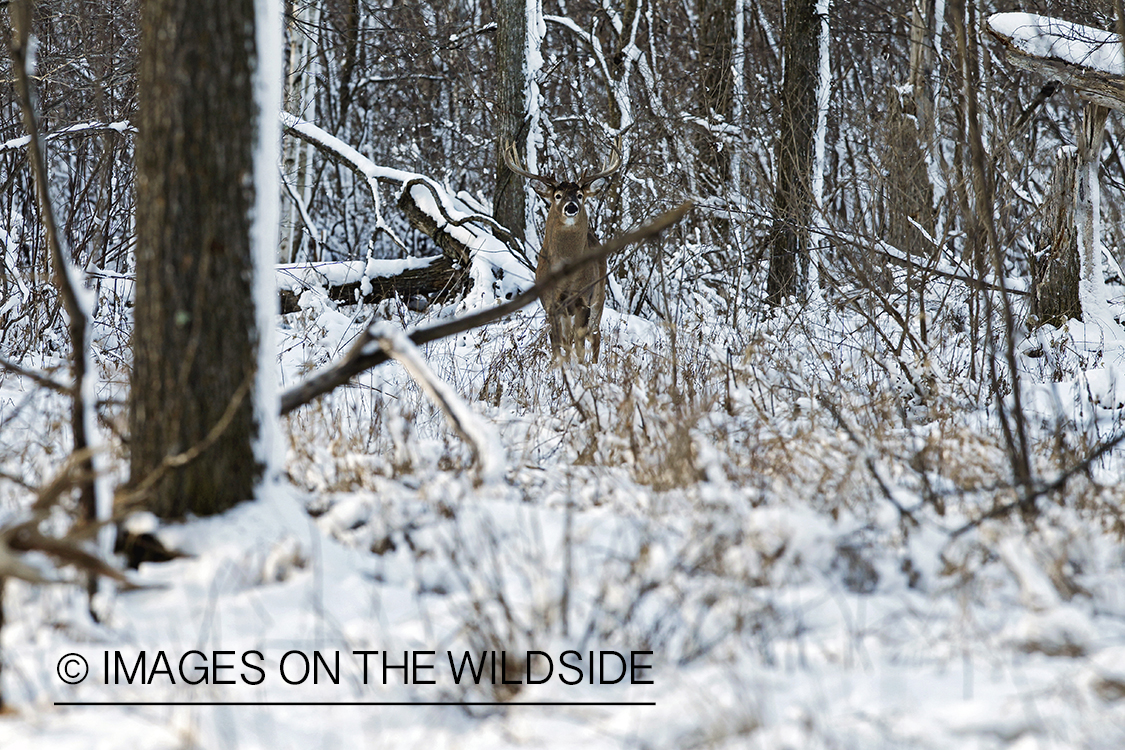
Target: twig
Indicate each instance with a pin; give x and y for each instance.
(37, 377)
(125, 499)
(1029, 497)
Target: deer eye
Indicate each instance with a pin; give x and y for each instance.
(558, 196)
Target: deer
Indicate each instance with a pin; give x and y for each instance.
(574, 304)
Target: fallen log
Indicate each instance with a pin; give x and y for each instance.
(436, 278)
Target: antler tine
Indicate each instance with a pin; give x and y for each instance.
(512, 160)
(609, 167)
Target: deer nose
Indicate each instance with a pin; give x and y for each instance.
(571, 208)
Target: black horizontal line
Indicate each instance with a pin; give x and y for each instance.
(355, 703)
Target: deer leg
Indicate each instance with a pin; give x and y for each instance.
(556, 333)
(581, 326)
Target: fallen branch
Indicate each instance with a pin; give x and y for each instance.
(430, 209)
(488, 453)
(366, 353)
(1074, 55)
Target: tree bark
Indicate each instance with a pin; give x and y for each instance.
(1087, 207)
(908, 195)
(1093, 85)
(789, 251)
(716, 90)
(1055, 270)
(509, 202)
(195, 337)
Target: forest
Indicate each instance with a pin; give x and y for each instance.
(324, 421)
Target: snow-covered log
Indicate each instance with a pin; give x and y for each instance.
(1088, 59)
(352, 281)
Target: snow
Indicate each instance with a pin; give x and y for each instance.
(772, 623)
(265, 215)
(486, 443)
(532, 70)
(296, 276)
(1061, 40)
(795, 576)
(20, 142)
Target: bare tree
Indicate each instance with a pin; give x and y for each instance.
(195, 339)
(716, 92)
(789, 246)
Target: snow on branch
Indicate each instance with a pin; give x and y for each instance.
(84, 128)
(496, 262)
(362, 357)
(488, 452)
(369, 281)
(443, 215)
(1090, 60)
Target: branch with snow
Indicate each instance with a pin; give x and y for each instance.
(450, 220)
(76, 299)
(82, 128)
(361, 357)
(19, 538)
(488, 452)
(1090, 60)
(371, 281)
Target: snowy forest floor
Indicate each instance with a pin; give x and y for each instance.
(779, 512)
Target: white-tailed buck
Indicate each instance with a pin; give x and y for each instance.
(573, 305)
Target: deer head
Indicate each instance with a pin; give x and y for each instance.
(574, 305)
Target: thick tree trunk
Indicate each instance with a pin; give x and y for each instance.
(195, 337)
(789, 252)
(908, 196)
(508, 201)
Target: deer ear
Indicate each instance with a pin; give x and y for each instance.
(543, 189)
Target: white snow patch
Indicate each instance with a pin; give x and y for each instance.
(1052, 38)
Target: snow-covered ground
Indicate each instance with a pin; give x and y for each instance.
(769, 523)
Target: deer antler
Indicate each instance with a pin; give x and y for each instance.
(611, 165)
(512, 159)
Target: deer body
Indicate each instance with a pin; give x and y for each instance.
(574, 303)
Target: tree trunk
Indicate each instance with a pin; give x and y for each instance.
(716, 88)
(300, 99)
(923, 32)
(195, 337)
(789, 252)
(1087, 207)
(1055, 270)
(508, 201)
(910, 121)
(907, 193)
